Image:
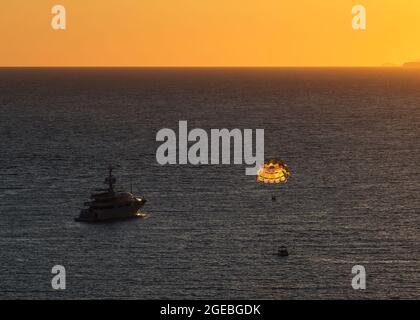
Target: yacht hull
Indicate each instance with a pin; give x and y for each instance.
(97, 215)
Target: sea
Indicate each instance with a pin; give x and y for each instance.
(350, 136)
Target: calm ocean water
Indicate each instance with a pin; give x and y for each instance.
(350, 136)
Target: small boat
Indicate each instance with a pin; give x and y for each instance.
(282, 252)
(110, 204)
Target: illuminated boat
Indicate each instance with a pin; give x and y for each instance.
(110, 204)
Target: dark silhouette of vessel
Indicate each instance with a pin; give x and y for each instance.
(283, 252)
(110, 204)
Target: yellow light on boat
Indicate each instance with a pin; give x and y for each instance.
(273, 171)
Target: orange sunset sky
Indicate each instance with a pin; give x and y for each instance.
(209, 33)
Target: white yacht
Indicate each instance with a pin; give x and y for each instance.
(110, 204)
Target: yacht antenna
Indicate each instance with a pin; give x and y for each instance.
(110, 180)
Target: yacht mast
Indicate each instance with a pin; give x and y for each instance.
(110, 180)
